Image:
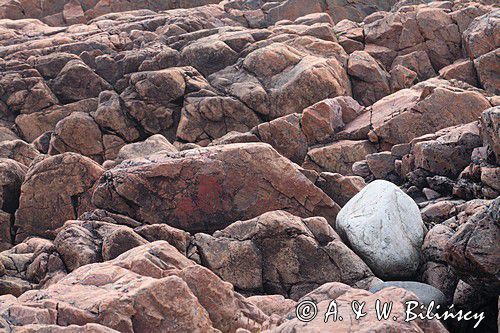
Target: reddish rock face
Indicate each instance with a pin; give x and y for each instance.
(206, 189)
(56, 189)
(478, 240)
(248, 255)
(339, 156)
(233, 130)
(425, 108)
(135, 292)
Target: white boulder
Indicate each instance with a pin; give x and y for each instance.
(384, 227)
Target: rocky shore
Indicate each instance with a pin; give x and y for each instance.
(207, 166)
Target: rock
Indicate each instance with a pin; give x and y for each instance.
(481, 36)
(56, 189)
(430, 194)
(175, 237)
(383, 226)
(439, 211)
(286, 136)
(418, 62)
(213, 199)
(273, 304)
(350, 35)
(491, 177)
(462, 70)
(340, 188)
(69, 12)
(339, 156)
(381, 164)
(208, 56)
(124, 288)
(402, 78)
(321, 120)
(12, 175)
(439, 105)
(81, 243)
(78, 133)
(490, 126)
(235, 137)
(73, 13)
(249, 255)
(344, 298)
(488, 71)
(151, 145)
(440, 276)
(416, 28)
(361, 169)
(35, 124)
(370, 81)
(89, 84)
(5, 233)
(473, 251)
(356, 10)
(467, 298)
(31, 264)
(425, 293)
(450, 152)
(269, 75)
(18, 150)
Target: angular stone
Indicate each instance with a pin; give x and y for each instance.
(207, 189)
(339, 156)
(56, 189)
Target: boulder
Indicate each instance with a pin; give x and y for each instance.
(402, 78)
(450, 152)
(473, 251)
(135, 292)
(321, 120)
(409, 113)
(273, 304)
(344, 296)
(425, 293)
(381, 164)
(81, 243)
(383, 226)
(340, 188)
(285, 134)
(55, 189)
(418, 62)
(339, 156)
(370, 81)
(490, 127)
(207, 189)
(12, 175)
(78, 133)
(32, 264)
(35, 124)
(462, 69)
(488, 71)
(19, 151)
(151, 145)
(251, 255)
(76, 81)
(481, 36)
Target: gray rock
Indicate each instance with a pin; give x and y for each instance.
(425, 293)
(384, 227)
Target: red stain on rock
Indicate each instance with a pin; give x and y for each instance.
(206, 199)
(209, 195)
